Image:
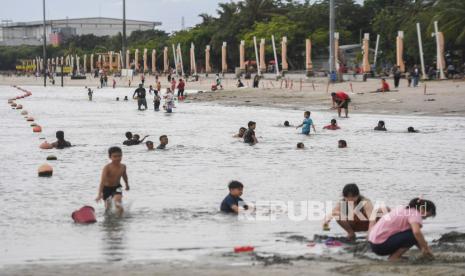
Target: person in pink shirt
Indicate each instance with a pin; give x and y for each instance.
(396, 232)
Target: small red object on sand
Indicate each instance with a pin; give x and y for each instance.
(240, 249)
(311, 244)
(84, 215)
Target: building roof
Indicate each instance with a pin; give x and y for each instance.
(88, 20)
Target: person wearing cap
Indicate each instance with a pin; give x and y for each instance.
(141, 101)
(341, 101)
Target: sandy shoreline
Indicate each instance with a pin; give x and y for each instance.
(442, 98)
(302, 265)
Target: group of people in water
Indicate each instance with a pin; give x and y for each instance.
(391, 232)
(140, 94)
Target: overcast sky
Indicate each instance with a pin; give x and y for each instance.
(168, 12)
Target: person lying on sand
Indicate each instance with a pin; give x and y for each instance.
(348, 216)
(396, 232)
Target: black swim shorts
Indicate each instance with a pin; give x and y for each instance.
(111, 191)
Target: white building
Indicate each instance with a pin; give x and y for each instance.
(30, 33)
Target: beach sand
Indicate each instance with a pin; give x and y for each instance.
(444, 264)
(442, 98)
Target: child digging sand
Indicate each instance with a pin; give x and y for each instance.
(348, 216)
(110, 183)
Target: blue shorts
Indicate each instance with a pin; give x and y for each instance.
(404, 239)
(306, 132)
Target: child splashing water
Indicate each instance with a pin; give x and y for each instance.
(110, 183)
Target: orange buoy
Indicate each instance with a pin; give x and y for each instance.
(30, 119)
(45, 170)
(37, 128)
(46, 145)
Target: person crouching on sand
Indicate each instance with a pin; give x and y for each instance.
(352, 220)
(396, 232)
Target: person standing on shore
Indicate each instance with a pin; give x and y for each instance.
(397, 74)
(256, 81)
(141, 101)
(101, 81)
(415, 75)
(218, 82)
(341, 101)
(181, 86)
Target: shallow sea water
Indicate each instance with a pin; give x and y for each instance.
(172, 208)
